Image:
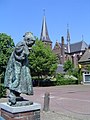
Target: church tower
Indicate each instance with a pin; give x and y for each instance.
(68, 39)
(44, 33)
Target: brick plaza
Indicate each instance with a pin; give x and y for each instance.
(70, 102)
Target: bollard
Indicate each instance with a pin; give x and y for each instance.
(46, 102)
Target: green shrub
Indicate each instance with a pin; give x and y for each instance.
(59, 77)
(65, 80)
(2, 91)
(75, 72)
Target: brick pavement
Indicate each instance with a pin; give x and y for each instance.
(66, 102)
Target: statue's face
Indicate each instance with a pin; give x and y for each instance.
(29, 39)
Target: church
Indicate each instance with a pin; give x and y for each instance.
(64, 51)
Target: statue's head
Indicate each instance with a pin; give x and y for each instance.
(29, 39)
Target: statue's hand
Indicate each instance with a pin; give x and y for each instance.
(15, 84)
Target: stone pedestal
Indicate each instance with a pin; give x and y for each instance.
(30, 112)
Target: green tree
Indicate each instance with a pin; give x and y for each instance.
(68, 67)
(42, 60)
(88, 67)
(6, 47)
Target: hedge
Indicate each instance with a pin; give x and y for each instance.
(67, 82)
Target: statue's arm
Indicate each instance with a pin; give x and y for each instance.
(20, 52)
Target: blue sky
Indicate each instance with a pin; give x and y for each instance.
(20, 16)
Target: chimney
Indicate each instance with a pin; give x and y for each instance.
(62, 49)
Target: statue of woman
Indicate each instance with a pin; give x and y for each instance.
(17, 77)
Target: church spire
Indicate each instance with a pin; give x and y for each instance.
(44, 31)
(68, 39)
(82, 38)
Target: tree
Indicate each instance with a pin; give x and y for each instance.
(88, 67)
(42, 60)
(6, 47)
(68, 66)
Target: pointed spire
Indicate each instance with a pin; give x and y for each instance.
(44, 12)
(44, 31)
(68, 39)
(68, 34)
(82, 38)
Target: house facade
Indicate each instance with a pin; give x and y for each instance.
(76, 51)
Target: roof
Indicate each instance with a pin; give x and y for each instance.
(75, 47)
(60, 69)
(44, 32)
(79, 46)
(57, 45)
(85, 57)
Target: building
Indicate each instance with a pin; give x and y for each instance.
(84, 62)
(64, 51)
(85, 59)
(70, 51)
(44, 33)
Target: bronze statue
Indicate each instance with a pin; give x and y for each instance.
(17, 77)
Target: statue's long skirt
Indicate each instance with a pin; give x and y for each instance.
(18, 77)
